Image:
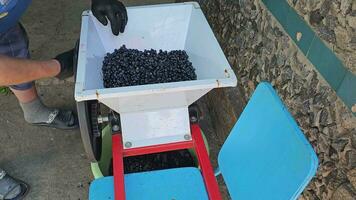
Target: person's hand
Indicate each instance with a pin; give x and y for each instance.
(66, 61)
(113, 10)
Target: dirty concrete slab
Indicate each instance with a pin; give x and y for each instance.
(51, 161)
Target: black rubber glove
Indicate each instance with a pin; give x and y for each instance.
(113, 10)
(66, 60)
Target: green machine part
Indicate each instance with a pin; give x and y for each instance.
(101, 168)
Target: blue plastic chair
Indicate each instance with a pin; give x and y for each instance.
(171, 184)
(266, 156)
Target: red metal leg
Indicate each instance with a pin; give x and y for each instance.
(158, 148)
(197, 143)
(211, 184)
(118, 166)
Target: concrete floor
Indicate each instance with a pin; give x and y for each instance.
(51, 161)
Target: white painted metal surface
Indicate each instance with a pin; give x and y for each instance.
(144, 109)
(148, 128)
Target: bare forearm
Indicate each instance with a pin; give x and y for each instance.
(14, 71)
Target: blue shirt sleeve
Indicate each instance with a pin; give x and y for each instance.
(11, 13)
(7, 5)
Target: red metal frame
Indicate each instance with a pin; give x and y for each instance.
(197, 143)
(158, 148)
(211, 184)
(118, 166)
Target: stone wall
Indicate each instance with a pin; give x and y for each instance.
(258, 49)
(335, 22)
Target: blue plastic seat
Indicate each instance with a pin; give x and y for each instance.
(266, 156)
(171, 184)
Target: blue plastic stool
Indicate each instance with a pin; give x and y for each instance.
(179, 183)
(266, 156)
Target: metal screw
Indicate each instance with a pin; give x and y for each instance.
(187, 137)
(353, 108)
(299, 36)
(193, 119)
(128, 144)
(102, 119)
(115, 128)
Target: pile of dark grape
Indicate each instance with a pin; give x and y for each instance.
(158, 161)
(165, 160)
(129, 67)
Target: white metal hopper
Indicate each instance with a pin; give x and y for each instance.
(156, 113)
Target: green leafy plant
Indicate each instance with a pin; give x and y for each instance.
(5, 90)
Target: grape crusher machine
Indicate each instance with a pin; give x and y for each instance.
(149, 118)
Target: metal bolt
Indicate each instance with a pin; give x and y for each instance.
(299, 36)
(115, 128)
(102, 119)
(187, 137)
(193, 119)
(128, 144)
(353, 108)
